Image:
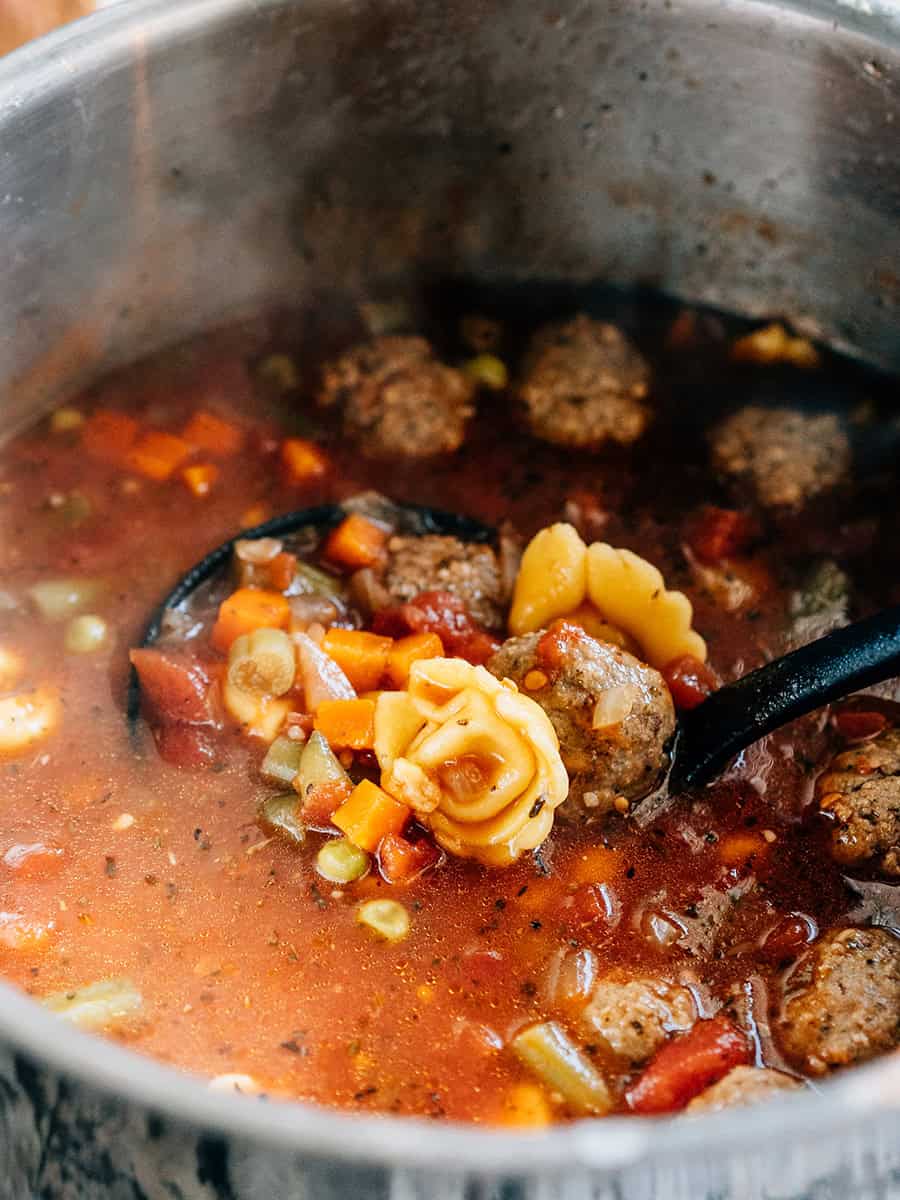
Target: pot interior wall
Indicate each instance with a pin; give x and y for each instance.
(167, 167)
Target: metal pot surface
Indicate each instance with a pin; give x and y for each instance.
(166, 167)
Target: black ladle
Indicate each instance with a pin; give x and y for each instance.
(709, 736)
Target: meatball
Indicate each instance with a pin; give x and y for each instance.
(613, 714)
(398, 400)
(785, 457)
(848, 1009)
(469, 570)
(743, 1086)
(860, 791)
(582, 383)
(635, 1016)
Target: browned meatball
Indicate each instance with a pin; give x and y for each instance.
(583, 383)
(613, 714)
(743, 1086)
(860, 791)
(783, 456)
(398, 400)
(633, 1017)
(848, 1008)
(432, 562)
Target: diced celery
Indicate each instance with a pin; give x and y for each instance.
(313, 580)
(102, 1005)
(487, 371)
(282, 761)
(278, 815)
(318, 766)
(548, 1051)
(279, 371)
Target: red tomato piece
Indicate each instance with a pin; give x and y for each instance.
(401, 860)
(441, 613)
(185, 745)
(555, 647)
(175, 687)
(689, 680)
(320, 804)
(684, 1067)
(721, 533)
(858, 725)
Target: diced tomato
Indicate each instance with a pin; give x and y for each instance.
(185, 745)
(859, 724)
(720, 533)
(401, 860)
(320, 803)
(282, 569)
(479, 967)
(789, 937)
(446, 615)
(175, 686)
(684, 1067)
(33, 860)
(555, 647)
(689, 680)
(592, 904)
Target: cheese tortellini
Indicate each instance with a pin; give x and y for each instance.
(559, 574)
(476, 761)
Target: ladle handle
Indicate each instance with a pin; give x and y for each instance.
(857, 656)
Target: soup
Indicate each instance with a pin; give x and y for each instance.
(391, 832)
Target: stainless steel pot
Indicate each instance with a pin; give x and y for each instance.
(165, 167)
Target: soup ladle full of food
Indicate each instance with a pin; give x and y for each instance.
(707, 736)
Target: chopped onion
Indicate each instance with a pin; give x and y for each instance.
(320, 675)
(615, 704)
(570, 978)
(111, 1002)
(257, 551)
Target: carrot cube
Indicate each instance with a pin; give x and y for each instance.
(109, 436)
(738, 849)
(408, 650)
(156, 455)
(304, 462)
(200, 478)
(347, 724)
(369, 815)
(245, 610)
(256, 514)
(363, 657)
(206, 431)
(357, 542)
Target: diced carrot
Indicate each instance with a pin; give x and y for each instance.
(320, 803)
(248, 609)
(347, 724)
(595, 864)
(369, 815)
(206, 431)
(256, 514)
(156, 454)
(109, 436)
(357, 542)
(738, 849)
(363, 657)
(401, 860)
(304, 462)
(408, 650)
(200, 478)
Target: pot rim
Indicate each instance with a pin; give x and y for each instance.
(26, 76)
